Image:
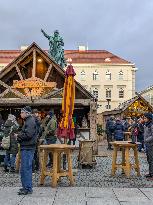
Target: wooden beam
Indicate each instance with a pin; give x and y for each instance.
(4, 93)
(12, 90)
(15, 61)
(48, 72)
(19, 73)
(34, 64)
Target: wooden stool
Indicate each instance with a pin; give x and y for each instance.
(56, 172)
(125, 165)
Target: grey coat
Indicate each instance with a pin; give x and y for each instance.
(148, 134)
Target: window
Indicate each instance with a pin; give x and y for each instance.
(108, 75)
(95, 75)
(121, 93)
(108, 107)
(95, 93)
(108, 93)
(120, 75)
(83, 75)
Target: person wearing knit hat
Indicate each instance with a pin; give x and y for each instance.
(27, 139)
(148, 115)
(27, 110)
(148, 140)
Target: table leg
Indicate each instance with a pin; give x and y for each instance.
(18, 159)
(128, 166)
(70, 171)
(114, 160)
(54, 175)
(137, 167)
(123, 160)
(43, 162)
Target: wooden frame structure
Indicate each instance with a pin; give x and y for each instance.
(34, 63)
(134, 107)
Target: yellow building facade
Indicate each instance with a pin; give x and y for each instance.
(109, 78)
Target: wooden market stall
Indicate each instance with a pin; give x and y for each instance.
(35, 79)
(133, 108)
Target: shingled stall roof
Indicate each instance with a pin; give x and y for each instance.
(77, 56)
(123, 107)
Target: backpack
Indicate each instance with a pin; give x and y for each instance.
(6, 141)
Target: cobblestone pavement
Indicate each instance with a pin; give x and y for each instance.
(100, 176)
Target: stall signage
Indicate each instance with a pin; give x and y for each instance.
(33, 87)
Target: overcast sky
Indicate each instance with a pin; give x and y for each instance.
(123, 27)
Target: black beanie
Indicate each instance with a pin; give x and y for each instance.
(148, 115)
(27, 109)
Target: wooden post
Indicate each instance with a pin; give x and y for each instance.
(136, 166)
(48, 72)
(127, 159)
(34, 64)
(19, 72)
(114, 160)
(93, 125)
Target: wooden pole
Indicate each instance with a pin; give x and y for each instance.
(48, 72)
(19, 72)
(34, 64)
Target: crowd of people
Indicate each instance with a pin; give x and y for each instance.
(141, 130)
(24, 138)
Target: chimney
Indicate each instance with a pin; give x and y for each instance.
(82, 48)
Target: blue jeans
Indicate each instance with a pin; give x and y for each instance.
(26, 169)
(9, 160)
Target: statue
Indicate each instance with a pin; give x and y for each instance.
(84, 122)
(56, 47)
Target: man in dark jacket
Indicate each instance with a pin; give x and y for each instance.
(28, 140)
(148, 140)
(140, 134)
(109, 131)
(118, 130)
(39, 133)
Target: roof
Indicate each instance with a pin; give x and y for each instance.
(22, 55)
(87, 56)
(94, 56)
(146, 90)
(123, 106)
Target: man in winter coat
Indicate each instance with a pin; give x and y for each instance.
(49, 126)
(118, 130)
(148, 140)
(109, 131)
(10, 129)
(140, 137)
(28, 140)
(39, 133)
